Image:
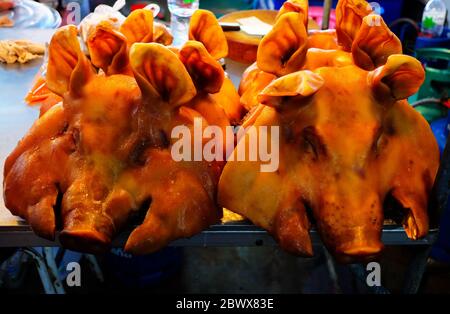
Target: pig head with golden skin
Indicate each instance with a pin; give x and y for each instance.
(348, 142)
(351, 147)
(103, 156)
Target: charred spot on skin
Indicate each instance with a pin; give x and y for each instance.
(373, 214)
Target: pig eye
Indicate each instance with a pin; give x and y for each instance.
(379, 141)
(312, 141)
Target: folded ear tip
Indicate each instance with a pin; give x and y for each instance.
(66, 32)
(67, 28)
(400, 59)
(100, 32)
(200, 12)
(194, 44)
(64, 52)
(138, 26)
(402, 74)
(108, 50)
(372, 16)
(301, 83)
(283, 49)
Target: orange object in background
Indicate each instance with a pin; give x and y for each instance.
(6, 5)
(41, 95)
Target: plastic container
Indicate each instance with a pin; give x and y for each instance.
(180, 15)
(433, 18)
(434, 42)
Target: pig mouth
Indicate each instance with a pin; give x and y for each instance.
(394, 212)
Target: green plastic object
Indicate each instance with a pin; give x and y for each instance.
(435, 85)
(222, 7)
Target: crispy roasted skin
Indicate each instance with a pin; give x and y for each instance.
(88, 166)
(105, 42)
(349, 142)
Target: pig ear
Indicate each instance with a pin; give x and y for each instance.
(301, 83)
(401, 76)
(206, 72)
(161, 34)
(68, 68)
(298, 6)
(138, 26)
(205, 28)
(349, 16)
(283, 49)
(374, 43)
(160, 74)
(108, 51)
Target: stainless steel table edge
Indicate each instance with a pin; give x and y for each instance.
(225, 235)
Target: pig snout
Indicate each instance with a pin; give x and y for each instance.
(350, 226)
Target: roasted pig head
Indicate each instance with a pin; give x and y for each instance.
(103, 158)
(352, 152)
(347, 148)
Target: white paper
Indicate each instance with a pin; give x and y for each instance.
(254, 26)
